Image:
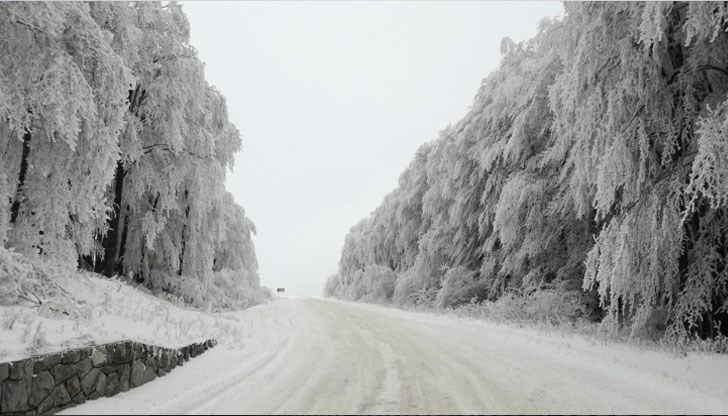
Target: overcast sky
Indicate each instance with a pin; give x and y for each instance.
(332, 99)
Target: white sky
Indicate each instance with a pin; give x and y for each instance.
(332, 100)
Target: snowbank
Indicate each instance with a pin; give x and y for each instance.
(107, 310)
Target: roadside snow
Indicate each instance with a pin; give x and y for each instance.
(111, 311)
(317, 356)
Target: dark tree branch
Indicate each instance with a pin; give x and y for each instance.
(712, 67)
(31, 27)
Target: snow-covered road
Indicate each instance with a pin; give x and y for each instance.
(317, 356)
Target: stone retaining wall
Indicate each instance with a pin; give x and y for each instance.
(49, 383)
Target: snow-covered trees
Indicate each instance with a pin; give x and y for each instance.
(594, 158)
(114, 148)
(62, 92)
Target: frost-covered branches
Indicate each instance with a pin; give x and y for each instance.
(593, 158)
(114, 148)
(63, 90)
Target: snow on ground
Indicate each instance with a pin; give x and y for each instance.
(111, 311)
(316, 356)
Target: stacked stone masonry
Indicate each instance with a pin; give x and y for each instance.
(49, 383)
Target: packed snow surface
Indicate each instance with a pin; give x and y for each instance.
(318, 356)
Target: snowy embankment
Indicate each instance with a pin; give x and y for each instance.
(107, 310)
(318, 356)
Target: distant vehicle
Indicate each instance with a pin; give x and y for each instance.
(281, 290)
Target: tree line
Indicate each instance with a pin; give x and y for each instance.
(593, 160)
(114, 150)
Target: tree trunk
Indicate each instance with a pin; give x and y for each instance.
(112, 242)
(115, 239)
(15, 208)
(184, 229)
